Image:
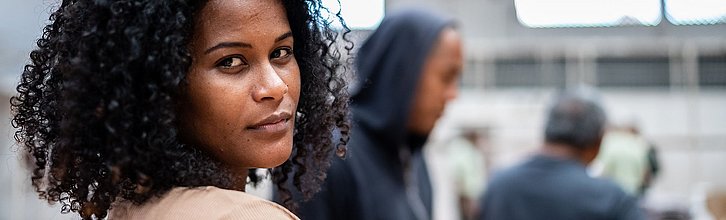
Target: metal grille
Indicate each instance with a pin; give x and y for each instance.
(529, 73)
(633, 72)
(712, 70)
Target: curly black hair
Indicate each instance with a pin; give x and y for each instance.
(95, 108)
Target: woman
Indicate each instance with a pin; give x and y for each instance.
(158, 109)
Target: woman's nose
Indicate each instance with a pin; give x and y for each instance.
(271, 86)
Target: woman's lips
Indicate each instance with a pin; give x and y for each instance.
(273, 123)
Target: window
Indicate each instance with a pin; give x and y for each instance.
(696, 12)
(358, 14)
(712, 70)
(588, 13)
(528, 72)
(633, 72)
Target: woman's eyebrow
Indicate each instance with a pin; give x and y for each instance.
(242, 44)
(283, 36)
(226, 45)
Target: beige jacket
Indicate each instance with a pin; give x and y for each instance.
(202, 203)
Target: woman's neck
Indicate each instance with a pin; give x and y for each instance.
(239, 179)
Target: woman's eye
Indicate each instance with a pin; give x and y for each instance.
(281, 53)
(231, 62)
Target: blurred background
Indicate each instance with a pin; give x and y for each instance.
(660, 65)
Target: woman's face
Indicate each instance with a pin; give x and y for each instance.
(243, 84)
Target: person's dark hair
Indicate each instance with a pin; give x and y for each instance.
(575, 119)
(95, 109)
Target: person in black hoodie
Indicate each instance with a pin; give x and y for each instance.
(408, 70)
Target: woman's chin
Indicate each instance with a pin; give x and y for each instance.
(275, 157)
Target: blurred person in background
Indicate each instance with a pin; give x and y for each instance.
(716, 204)
(468, 171)
(708, 202)
(623, 158)
(652, 169)
(408, 70)
(554, 184)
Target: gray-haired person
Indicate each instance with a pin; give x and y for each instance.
(554, 184)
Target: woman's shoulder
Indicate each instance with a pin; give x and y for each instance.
(202, 203)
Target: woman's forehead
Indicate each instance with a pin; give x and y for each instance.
(240, 20)
(240, 10)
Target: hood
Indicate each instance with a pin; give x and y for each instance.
(388, 66)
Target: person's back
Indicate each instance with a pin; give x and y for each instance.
(201, 203)
(554, 188)
(370, 184)
(555, 184)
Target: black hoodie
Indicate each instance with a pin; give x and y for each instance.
(384, 175)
